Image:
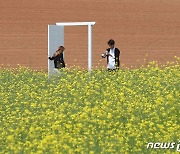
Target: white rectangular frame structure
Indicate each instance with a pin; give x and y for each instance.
(89, 24)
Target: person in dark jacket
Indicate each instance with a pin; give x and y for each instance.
(113, 56)
(58, 58)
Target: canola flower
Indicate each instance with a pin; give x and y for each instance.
(78, 112)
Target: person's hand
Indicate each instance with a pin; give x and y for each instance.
(103, 55)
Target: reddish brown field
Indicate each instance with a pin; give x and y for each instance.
(142, 29)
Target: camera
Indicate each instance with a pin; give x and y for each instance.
(103, 55)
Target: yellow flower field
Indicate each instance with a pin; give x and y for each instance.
(78, 112)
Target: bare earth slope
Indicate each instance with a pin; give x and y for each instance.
(142, 29)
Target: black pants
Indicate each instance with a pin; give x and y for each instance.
(110, 70)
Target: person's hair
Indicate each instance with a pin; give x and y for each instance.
(111, 42)
(61, 47)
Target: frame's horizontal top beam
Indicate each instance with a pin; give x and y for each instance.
(75, 23)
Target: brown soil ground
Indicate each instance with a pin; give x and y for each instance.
(143, 29)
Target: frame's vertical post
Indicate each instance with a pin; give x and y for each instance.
(89, 47)
(48, 53)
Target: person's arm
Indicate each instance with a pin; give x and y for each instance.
(51, 58)
(106, 54)
(117, 54)
(54, 55)
(62, 59)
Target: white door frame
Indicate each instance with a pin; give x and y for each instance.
(89, 24)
